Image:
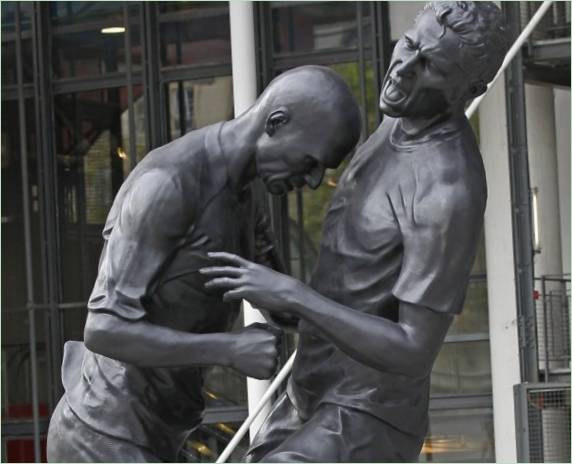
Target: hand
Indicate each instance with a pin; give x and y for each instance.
(255, 350)
(261, 286)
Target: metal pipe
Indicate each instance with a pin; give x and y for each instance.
(519, 42)
(27, 233)
(129, 76)
(362, 71)
(545, 329)
(256, 411)
(244, 93)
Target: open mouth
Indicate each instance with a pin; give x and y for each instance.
(392, 93)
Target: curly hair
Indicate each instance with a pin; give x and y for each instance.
(481, 29)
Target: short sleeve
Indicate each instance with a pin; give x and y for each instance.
(150, 222)
(440, 229)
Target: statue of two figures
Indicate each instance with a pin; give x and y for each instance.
(185, 241)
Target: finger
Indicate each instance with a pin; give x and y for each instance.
(229, 258)
(215, 271)
(222, 283)
(233, 295)
(276, 331)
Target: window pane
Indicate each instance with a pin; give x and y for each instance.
(207, 442)
(475, 315)
(462, 368)
(317, 26)
(194, 33)
(198, 103)
(9, 68)
(89, 38)
(92, 145)
(462, 435)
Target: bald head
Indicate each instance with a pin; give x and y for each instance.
(317, 101)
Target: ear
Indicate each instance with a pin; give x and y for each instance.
(277, 118)
(476, 89)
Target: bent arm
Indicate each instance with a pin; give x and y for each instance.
(407, 347)
(147, 345)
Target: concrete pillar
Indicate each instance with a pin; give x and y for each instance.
(244, 88)
(562, 123)
(503, 327)
(541, 138)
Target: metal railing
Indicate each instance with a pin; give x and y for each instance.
(554, 25)
(553, 324)
(543, 422)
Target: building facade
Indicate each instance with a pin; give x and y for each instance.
(88, 88)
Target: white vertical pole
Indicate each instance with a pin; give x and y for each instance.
(503, 321)
(244, 89)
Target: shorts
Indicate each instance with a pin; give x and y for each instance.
(332, 434)
(71, 440)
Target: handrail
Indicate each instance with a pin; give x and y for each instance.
(470, 110)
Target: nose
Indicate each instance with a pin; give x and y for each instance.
(407, 66)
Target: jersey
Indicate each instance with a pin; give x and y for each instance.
(403, 225)
(173, 208)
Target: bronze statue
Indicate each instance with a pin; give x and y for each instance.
(133, 391)
(398, 244)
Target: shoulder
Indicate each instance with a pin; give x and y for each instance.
(154, 200)
(451, 182)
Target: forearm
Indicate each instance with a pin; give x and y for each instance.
(148, 345)
(372, 340)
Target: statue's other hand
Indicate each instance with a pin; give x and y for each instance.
(255, 350)
(261, 286)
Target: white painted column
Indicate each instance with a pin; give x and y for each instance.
(562, 121)
(541, 138)
(244, 89)
(503, 327)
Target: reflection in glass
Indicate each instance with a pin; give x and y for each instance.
(194, 33)
(198, 103)
(460, 435)
(9, 68)
(316, 26)
(83, 44)
(475, 315)
(462, 368)
(92, 146)
(207, 442)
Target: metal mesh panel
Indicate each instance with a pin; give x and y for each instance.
(553, 324)
(544, 422)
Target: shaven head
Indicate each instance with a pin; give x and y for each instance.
(317, 105)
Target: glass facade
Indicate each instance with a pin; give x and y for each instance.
(88, 88)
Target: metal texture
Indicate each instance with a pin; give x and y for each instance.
(129, 77)
(152, 84)
(27, 234)
(48, 182)
(191, 198)
(543, 422)
(521, 201)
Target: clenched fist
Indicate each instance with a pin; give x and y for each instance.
(255, 350)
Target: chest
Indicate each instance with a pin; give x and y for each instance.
(362, 214)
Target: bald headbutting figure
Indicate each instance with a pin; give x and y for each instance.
(397, 248)
(133, 389)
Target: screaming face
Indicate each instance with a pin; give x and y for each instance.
(425, 77)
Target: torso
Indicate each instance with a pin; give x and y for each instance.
(362, 240)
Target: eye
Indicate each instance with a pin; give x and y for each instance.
(409, 43)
